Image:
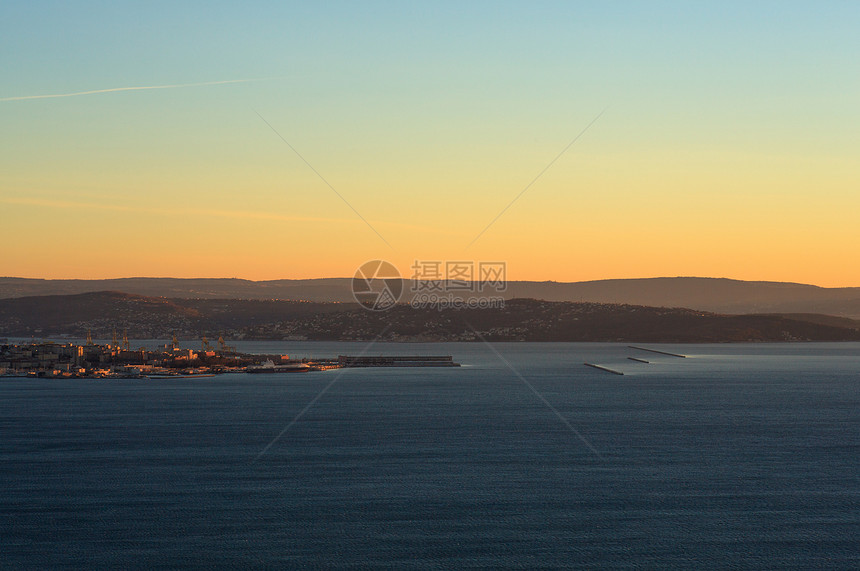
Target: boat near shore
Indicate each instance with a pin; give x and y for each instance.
(270, 367)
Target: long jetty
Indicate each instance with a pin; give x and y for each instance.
(347, 361)
(656, 351)
(602, 368)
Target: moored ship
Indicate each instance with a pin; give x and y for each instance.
(270, 367)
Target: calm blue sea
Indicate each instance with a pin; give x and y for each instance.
(739, 456)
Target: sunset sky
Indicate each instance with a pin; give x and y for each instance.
(728, 145)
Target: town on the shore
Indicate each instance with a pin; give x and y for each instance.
(50, 359)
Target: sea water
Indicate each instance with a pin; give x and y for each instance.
(737, 456)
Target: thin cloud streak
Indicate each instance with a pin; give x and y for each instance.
(235, 214)
(50, 203)
(136, 88)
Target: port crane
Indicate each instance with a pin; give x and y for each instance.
(224, 347)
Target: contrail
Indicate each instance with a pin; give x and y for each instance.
(111, 90)
(237, 214)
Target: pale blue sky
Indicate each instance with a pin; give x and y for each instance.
(466, 101)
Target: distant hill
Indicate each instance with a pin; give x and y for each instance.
(102, 313)
(707, 294)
